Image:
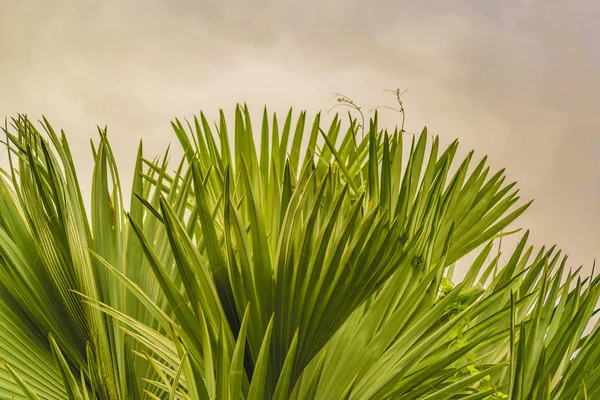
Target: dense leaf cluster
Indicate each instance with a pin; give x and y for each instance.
(317, 265)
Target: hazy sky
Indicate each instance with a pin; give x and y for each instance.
(518, 80)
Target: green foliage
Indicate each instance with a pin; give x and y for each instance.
(315, 267)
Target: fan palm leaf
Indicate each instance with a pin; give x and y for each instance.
(315, 267)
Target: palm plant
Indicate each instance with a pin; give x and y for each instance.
(315, 267)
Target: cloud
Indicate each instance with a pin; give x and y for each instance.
(518, 80)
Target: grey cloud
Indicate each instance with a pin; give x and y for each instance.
(518, 79)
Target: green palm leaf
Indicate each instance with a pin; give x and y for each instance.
(312, 266)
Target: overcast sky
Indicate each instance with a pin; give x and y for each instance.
(518, 80)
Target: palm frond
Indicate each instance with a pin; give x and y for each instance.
(313, 266)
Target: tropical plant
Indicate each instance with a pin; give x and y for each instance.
(317, 267)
